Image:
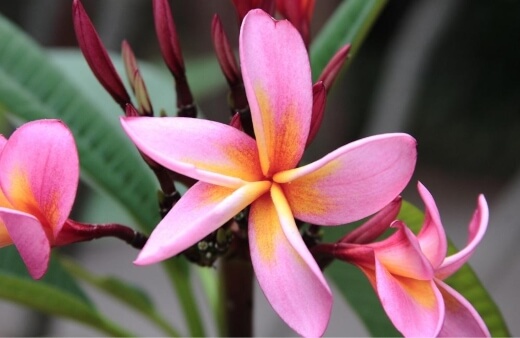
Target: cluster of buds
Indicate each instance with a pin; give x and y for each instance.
(96, 55)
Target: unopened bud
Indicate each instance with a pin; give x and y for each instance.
(97, 56)
(331, 71)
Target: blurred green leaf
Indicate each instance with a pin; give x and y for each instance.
(55, 294)
(126, 293)
(32, 87)
(350, 23)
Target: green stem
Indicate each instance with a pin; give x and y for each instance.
(178, 272)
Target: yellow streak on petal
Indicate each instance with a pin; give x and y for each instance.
(266, 227)
(278, 145)
(5, 239)
(269, 211)
(420, 290)
(308, 194)
(23, 199)
(244, 164)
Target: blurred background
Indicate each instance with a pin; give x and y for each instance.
(445, 71)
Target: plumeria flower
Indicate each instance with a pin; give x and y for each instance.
(236, 171)
(407, 272)
(39, 175)
(39, 172)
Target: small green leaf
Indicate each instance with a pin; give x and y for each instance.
(55, 294)
(350, 23)
(126, 293)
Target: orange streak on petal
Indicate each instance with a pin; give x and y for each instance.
(266, 226)
(23, 199)
(278, 137)
(420, 290)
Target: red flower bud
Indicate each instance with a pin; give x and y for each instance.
(97, 56)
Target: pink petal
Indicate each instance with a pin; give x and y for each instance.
(477, 229)
(202, 210)
(461, 318)
(39, 172)
(415, 307)
(5, 239)
(277, 79)
(3, 141)
(352, 182)
(30, 239)
(205, 150)
(286, 271)
(401, 254)
(4, 236)
(432, 237)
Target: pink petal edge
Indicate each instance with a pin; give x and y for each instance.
(200, 211)
(352, 182)
(415, 307)
(43, 178)
(277, 78)
(208, 151)
(476, 230)
(432, 237)
(30, 240)
(286, 272)
(461, 318)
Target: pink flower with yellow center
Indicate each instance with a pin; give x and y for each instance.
(236, 171)
(39, 172)
(407, 272)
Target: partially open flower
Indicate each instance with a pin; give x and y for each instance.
(407, 272)
(39, 172)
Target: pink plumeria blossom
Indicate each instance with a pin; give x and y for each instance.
(39, 172)
(407, 272)
(236, 171)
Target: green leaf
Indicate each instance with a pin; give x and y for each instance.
(55, 294)
(126, 293)
(32, 87)
(350, 23)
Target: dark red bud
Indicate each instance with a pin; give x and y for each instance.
(244, 6)
(97, 56)
(299, 13)
(319, 98)
(225, 55)
(172, 55)
(376, 225)
(331, 71)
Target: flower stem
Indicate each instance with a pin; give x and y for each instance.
(237, 293)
